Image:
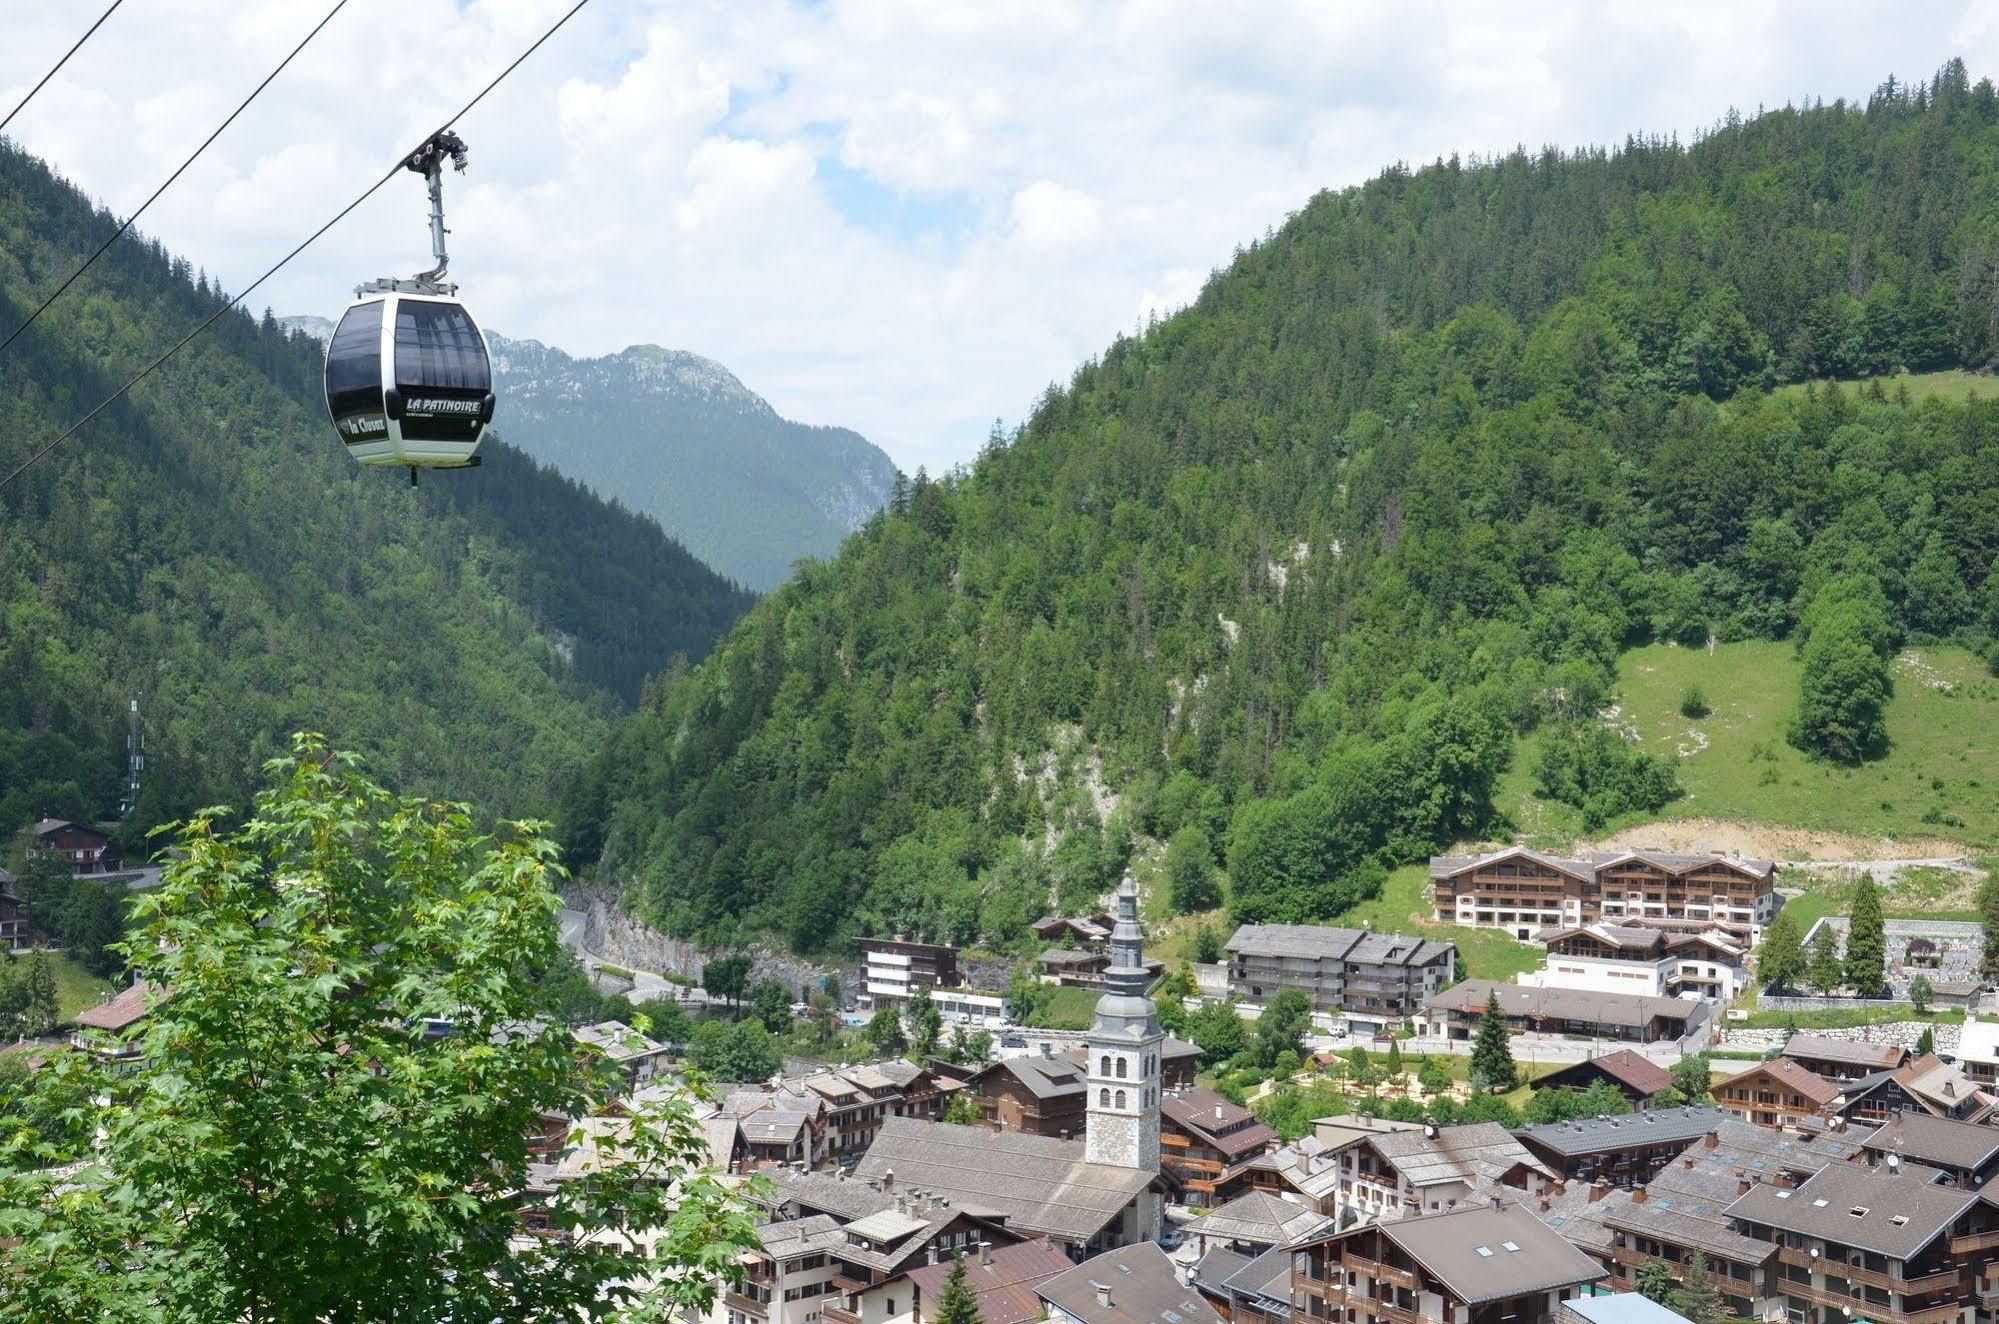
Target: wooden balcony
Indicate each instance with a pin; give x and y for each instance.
(1385, 1273)
(1831, 1268)
(749, 1305)
(839, 1314)
(1974, 1242)
(1863, 1309)
(1375, 1306)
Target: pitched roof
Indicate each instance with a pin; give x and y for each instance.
(1629, 1068)
(1311, 942)
(1268, 1276)
(1449, 866)
(1600, 1135)
(1814, 1087)
(1216, 1122)
(1038, 1183)
(1895, 1215)
(1935, 1082)
(1851, 1052)
(1140, 1283)
(122, 1011)
(1003, 1281)
(1488, 1252)
(1259, 1218)
(1567, 1004)
(1043, 1077)
(1465, 1153)
(617, 1041)
(1937, 1140)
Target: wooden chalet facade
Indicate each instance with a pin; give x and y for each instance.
(86, 849)
(1525, 892)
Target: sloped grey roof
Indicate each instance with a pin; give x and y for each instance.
(1936, 1140)
(1143, 1290)
(1604, 1134)
(1043, 1077)
(1875, 1057)
(1259, 1218)
(1463, 1153)
(1312, 942)
(1570, 1004)
(1268, 1276)
(1037, 1183)
(1825, 1206)
(1466, 1250)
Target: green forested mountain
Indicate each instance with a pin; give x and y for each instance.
(1281, 580)
(206, 546)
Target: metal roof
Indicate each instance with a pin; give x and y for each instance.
(1626, 1131)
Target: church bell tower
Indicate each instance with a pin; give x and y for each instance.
(1126, 1043)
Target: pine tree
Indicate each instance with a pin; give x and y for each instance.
(1492, 1066)
(1782, 959)
(38, 994)
(956, 1304)
(1697, 1297)
(1920, 993)
(1867, 944)
(1655, 1281)
(1926, 1042)
(1824, 972)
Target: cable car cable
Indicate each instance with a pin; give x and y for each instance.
(130, 220)
(60, 63)
(339, 216)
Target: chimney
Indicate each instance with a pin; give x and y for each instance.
(1638, 1195)
(1598, 1189)
(1742, 1184)
(985, 1254)
(1103, 1295)
(1894, 1163)
(1710, 1140)
(1689, 1163)
(1497, 1205)
(888, 1179)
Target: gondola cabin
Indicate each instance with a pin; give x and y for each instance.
(409, 381)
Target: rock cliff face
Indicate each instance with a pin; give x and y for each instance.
(679, 437)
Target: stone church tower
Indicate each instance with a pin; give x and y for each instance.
(1125, 1048)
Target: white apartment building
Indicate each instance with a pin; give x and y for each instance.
(1611, 958)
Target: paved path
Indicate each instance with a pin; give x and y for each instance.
(647, 985)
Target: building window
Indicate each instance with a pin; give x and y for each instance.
(1104, 1068)
(1103, 1098)
(1120, 1068)
(1120, 1098)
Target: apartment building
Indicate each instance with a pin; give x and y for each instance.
(1778, 1093)
(1368, 979)
(1843, 1059)
(1201, 1137)
(1525, 892)
(1129, 1285)
(1622, 958)
(15, 933)
(1925, 1084)
(1402, 1174)
(1624, 1151)
(896, 967)
(1490, 1263)
(1966, 1152)
(1037, 1096)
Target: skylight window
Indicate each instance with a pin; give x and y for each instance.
(1900, 1220)
(1484, 1252)
(1510, 1245)
(1858, 1211)
(1783, 1195)
(1818, 1204)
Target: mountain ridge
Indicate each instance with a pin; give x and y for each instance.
(1485, 399)
(748, 490)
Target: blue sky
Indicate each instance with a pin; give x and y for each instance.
(906, 218)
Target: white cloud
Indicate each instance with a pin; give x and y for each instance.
(906, 216)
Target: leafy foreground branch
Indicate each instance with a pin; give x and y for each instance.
(339, 1093)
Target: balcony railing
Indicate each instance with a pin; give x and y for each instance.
(1386, 1273)
(749, 1305)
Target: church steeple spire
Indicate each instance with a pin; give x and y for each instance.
(1126, 1045)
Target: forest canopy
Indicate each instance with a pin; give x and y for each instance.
(1296, 565)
